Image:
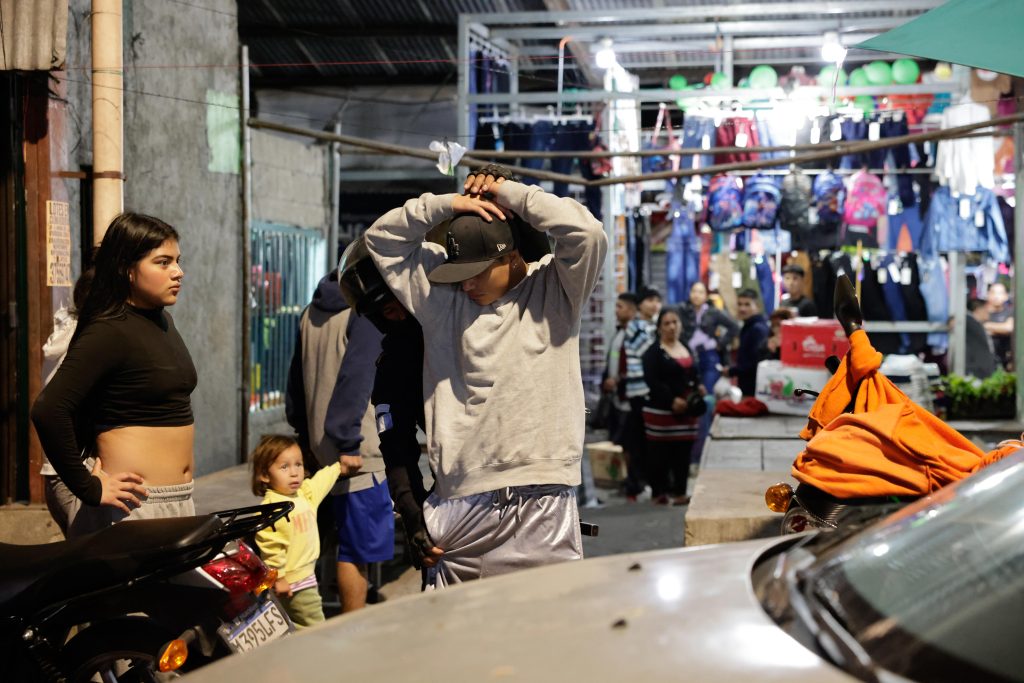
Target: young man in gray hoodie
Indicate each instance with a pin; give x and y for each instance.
(502, 385)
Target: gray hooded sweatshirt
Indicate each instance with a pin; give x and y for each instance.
(502, 385)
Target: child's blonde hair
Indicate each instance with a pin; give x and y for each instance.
(264, 455)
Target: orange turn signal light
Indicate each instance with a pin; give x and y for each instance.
(777, 497)
(269, 579)
(174, 655)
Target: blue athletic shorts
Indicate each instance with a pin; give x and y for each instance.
(365, 521)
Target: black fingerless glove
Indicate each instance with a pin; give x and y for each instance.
(496, 170)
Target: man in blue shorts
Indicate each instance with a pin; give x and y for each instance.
(328, 405)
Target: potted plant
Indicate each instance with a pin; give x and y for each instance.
(970, 398)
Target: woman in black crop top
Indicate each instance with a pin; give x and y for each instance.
(673, 409)
(122, 394)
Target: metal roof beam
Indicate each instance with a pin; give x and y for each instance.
(821, 7)
(265, 31)
(709, 29)
(743, 94)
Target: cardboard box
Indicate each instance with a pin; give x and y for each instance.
(807, 342)
(607, 463)
(777, 384)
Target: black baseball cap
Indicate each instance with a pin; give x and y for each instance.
(473, 245)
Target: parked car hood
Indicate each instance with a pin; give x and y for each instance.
(684, 614)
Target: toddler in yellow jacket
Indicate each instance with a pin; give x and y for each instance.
(292, 545)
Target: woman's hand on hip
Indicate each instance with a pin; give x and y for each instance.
(119, 489)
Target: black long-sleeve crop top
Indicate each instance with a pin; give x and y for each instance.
(128, 371)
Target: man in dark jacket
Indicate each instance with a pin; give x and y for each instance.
(328, 404)
(755, 331)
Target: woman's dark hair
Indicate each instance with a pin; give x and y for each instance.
(665, 311)
(127, 241)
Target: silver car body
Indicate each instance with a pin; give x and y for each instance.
(689, 614)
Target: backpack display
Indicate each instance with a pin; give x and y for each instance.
(827, 197)
(867, 200)
(795, 205)
(725, 203)
(760, 202)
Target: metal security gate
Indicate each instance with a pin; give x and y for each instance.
(287, 263)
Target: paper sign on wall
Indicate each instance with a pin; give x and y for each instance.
(58, 244)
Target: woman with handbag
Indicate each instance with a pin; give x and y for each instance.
(674, 407)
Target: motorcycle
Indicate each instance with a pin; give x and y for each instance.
(138, 601)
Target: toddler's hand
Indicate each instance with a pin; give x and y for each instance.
(282, 587)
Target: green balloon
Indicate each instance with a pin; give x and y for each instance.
(828, 76)
(763, 76)
(865, 103)
(677, 82)
(905, 71)
(859, 77)
(744, 83)
(720, 81)
(879, 73)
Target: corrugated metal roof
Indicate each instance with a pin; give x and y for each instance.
(414, 41)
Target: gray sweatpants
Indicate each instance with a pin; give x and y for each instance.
(497, 532)
(161, 503)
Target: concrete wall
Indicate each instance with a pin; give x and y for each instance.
(290, 181)
(290, 187)
(180, 121)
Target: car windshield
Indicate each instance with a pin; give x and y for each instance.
(936, 591)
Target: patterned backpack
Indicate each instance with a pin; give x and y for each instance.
(794, 208)
(867, 200)
(827, 197)
(760, 202)
(725, 203)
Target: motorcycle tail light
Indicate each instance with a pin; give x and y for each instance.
(173, 655)
(777, 497)
(241, 572)
(269, 579)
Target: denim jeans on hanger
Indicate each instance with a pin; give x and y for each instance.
(682, 257)
(631, 260)
(516, 137)
(936, 298)
(766, 281)
(852, 131)
(893, 295)
(542, 139)
(695, 130)
(573, 136)
(903, 156)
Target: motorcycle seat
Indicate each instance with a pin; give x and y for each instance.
(32, 576)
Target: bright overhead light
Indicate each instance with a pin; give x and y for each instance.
(832, 51)
(605, 57)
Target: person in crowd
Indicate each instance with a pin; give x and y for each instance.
(504, 394)
(981, 357)
(673, 410)
(292, 544)
(754, 333)
(1000, 323)
(613, 382)
(640, 333)
(397, 395)
(60, 501)
(122, 394)
(708, 330)
(795, 283)
(327, 403)
(771, 348)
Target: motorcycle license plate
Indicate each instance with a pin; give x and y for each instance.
(261, 625)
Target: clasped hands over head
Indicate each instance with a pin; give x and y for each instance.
(476, 187)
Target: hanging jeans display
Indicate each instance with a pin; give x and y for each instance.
(682, 263)
(575, 136)
(698, 133)
(936, 298)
